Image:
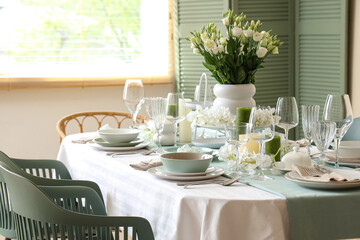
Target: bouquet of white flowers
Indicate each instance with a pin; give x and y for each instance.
(235, 58)
(211, 117)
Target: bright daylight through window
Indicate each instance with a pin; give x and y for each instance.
(84, 38)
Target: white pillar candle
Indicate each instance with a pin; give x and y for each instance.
(185, 125)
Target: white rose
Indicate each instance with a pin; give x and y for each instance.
(257, 36)
(209, 44)
(236, 31)
(215, 50)
(275, 50)
(223, 41)
(248, 33)
(226, 21)
(196, 51)
(204, 36)
(266, 34)
(261, 52)
(221, 48)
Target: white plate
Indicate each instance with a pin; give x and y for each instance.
(103, 143)
(162, 175)
(97, 146)
(209, 142)
(201, 150)
(283, 170)
(332, 155)
(345, 164)
(294, 177)
(163, 170)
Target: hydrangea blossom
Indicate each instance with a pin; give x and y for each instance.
(215, 116)
(148, 131)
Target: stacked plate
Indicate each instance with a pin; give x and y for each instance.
(210, 172)
(121, 139)
(349, 154)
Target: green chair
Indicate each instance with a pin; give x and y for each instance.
(52, 175)
(37, 217)
(353, 134)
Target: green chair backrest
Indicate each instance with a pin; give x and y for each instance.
(353, 134)
(38, 217)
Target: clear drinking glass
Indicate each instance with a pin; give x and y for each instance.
(287, 110)
(237, 136)
(262, 130)
(310, 114)
(338, 109)
(323, 133)
(133, 97)
(172, 113)
(156, 109)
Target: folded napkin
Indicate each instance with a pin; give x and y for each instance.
(145, 165)
(83, 140)
(313, 174)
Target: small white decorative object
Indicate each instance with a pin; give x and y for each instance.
(211, 117)
(296, 157)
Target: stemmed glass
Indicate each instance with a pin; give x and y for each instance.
(237, 136)
(133, 97)
(338, 109)
(262, 129)
(287, 111)
(310, 114)
(156, 109)
(323, 133)
(172, 113)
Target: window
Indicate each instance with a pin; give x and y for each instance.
(84, 41)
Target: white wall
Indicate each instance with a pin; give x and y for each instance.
(28, 117)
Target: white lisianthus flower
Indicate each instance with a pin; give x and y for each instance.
(204, 36)
(196, 51)
(221, 48)
(209, 44)
(265, 34)
(198, 40)
(261, 52)
(192, 40)
(270, 46)
(275, 50)
(263, 43)
(227, 153)
(215, 50)
(213, 36)
(193, 45)
(226, 21)
(257, 36)
(236, 31)
(248, 33)
(223, 41)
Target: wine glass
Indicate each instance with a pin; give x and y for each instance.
(338, 109)
(172, 113)
(323, 133)
(287, 111)
(262, 129)
(156, 109)
(310, 114)
(237, 136)
(133, 97)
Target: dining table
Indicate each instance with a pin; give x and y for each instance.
(211, 211)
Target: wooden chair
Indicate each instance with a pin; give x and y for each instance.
(99, 117)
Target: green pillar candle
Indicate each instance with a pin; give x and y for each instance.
(172, 110)
(273, 146)
(242, 116)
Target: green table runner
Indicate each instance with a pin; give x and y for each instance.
(315, 214)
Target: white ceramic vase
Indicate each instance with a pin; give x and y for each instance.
(234, 95)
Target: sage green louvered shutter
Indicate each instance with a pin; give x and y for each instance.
(191, 15)
(321, 51)
(276, 78)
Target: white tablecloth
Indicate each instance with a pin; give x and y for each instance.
(203, 212)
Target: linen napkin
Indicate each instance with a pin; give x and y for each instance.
(319, 176)
(147, 164)
(83, 140)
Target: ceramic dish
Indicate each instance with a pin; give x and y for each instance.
(216, 173)
(345, 164)
(186, 162)
(283, 170)
(294, 177)
(331, 156)
(99, 147)
(163, 170)
(118, 135)
(103, 143)
(201, 150)
(209, 142)
(350, 149)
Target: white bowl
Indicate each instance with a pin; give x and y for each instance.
(119, 135)
(185, 162)
(349, 149)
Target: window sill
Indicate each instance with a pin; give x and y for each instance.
(9, 83)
